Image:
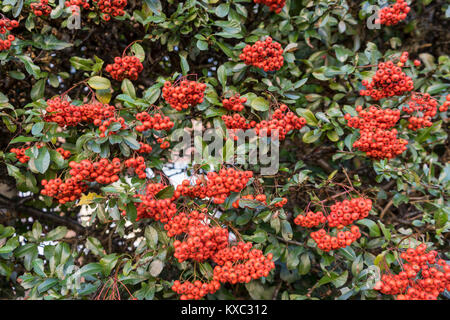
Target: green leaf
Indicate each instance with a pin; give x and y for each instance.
(37, 92)
(42, 162)
(99, 83)
(165, 193)
(260, 104)
(128, 88)
(373, 228)
(222, 75)
(184, 65)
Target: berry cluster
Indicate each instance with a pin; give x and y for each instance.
(234, 103)
(346, 212)
(112, 125)
(127, 67)
(158, 209)
(108, 8)
(66, 114)
(163, 144)
(274, 5)
(138, 164)
(393, 14)
(7, 25)
(424, 108)
(281, 122)
(343, 239)
(253, 265)
(446, 104)
(182, 221)
(341, 214)
(261, 198)
(195, 290)
(145, 148)
(201, 243)
(389, 80)
(376, 140)
(266, 55)
(157, 121)
(310, 220)
(186, 94)
(76, 5)
(23, 158)
(423, 277)
(41, 8)
(102, 171)
(111, 8)
(63, 191)
(217, 185)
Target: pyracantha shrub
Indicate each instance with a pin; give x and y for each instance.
(107, 8)
(266, 55)
(393, 14)
(423, 277)
(424, 107)
(183, 93)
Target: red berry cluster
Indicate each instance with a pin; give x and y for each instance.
(105, 125)
(201, 243)
(7, 25)
(66, 114)
(111, 8)
(343, 239)
(389, 80)
(217, 185)
(145, 148)
(341, 214)
(253, 264)
(41, 8)
(274, 5)
(195, 290)
(182, 221)
(446, 104)
(424, 107)
(423, 277)
(310, 220)
(63, 191)
(163, 144)
(376, 140)
(158, 209)
(346, 212)
(234, 103)
(281, 122)
(186, 94)
(393, 14)
(23, 158)
(261, 198)
(77, 4)
(102, 171)
(266, 55)
(158, 121)
(127, 67)
(138, 164)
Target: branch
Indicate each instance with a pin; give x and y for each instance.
(20, 207)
